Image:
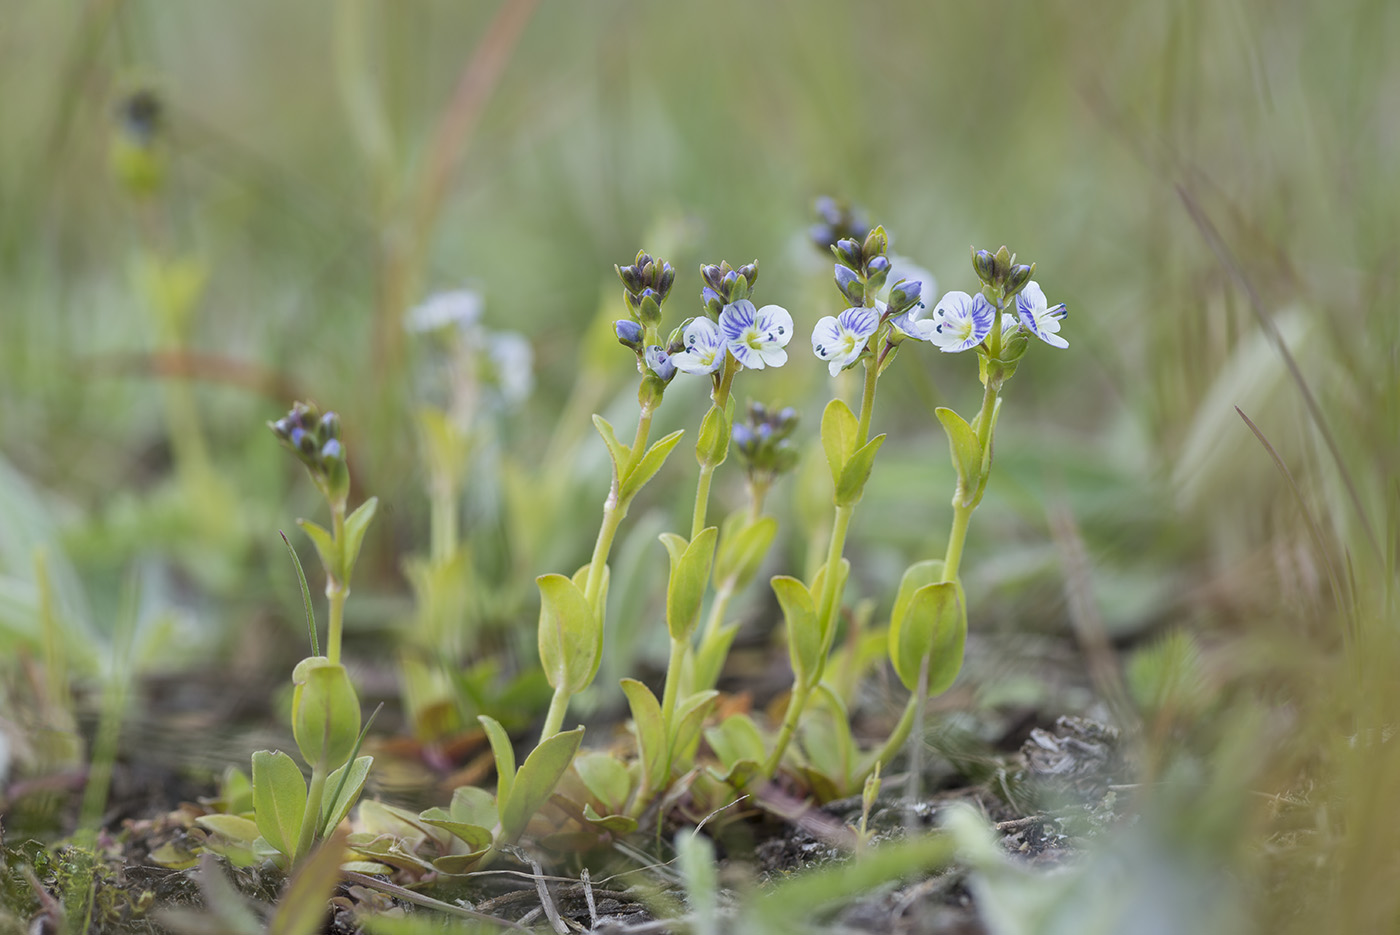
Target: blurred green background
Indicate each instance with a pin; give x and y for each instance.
(1204, 183)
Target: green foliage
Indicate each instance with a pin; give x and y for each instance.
(570, 634)
(966, 452)
(535, 781)
(690, 570)
(325, 712)
(647, 467)
(279, 799)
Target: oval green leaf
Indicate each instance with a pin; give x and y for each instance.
(569, 635)
(279, 799)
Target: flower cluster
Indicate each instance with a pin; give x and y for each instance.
(315, 439)
(837, 221)
(469, 368)
(878, 291)
(646, 283)
(762, 441)
(754, 337)
(961, 321)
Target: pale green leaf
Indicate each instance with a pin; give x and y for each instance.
(857, 472)
(569, 637)
(651, 734)
(356, 525)
(617, 451)
(346, 793)
(646, 468)
(535, 781)
(505, 757)
(279, 799)
(742, 547)
(685, 589)
(839, 428)
(804, 636)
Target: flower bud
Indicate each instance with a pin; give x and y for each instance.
(1019, 276)
(649, 308)
(629, 333)
(828, 210)
(876, 243)
(985, 265)
(328, 427)
(875, 272)
(849, 282)
(847, 253)
(729, 286)
(666, 280)
(1002, 265)
(631, 279)
(904, 295)
(750, 273)
(712, 274)
(713, 303)
(745, 442)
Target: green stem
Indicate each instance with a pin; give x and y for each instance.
(336, 589)
(891, 747)
(962, 515)
(702, 500)
(614, 510)
(702, 488)
(800, 693)
(443, 522)
(554, 720)
(867, 401)
(679, 649)
(829, 606)
(311, 816)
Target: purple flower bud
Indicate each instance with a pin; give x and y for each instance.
(629, 333)
(329, 426)
(712, 301)
(847, 252)
(743, 437)
(331, 450)
(849, 282)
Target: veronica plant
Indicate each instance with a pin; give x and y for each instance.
(859, 335)
(572, 608)
(730, 336)
(291, 815)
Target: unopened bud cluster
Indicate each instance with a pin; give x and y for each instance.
(837, 221)
(725, 285)
(646, 283)
(1001, 272)
(763, 442)
(862, 270)
(314, 438)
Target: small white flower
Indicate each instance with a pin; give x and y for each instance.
(961, 321)
(459, 307)
(1038, 319)
(512, 358)
(704, 348)
(841, 340)
(756, 338)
